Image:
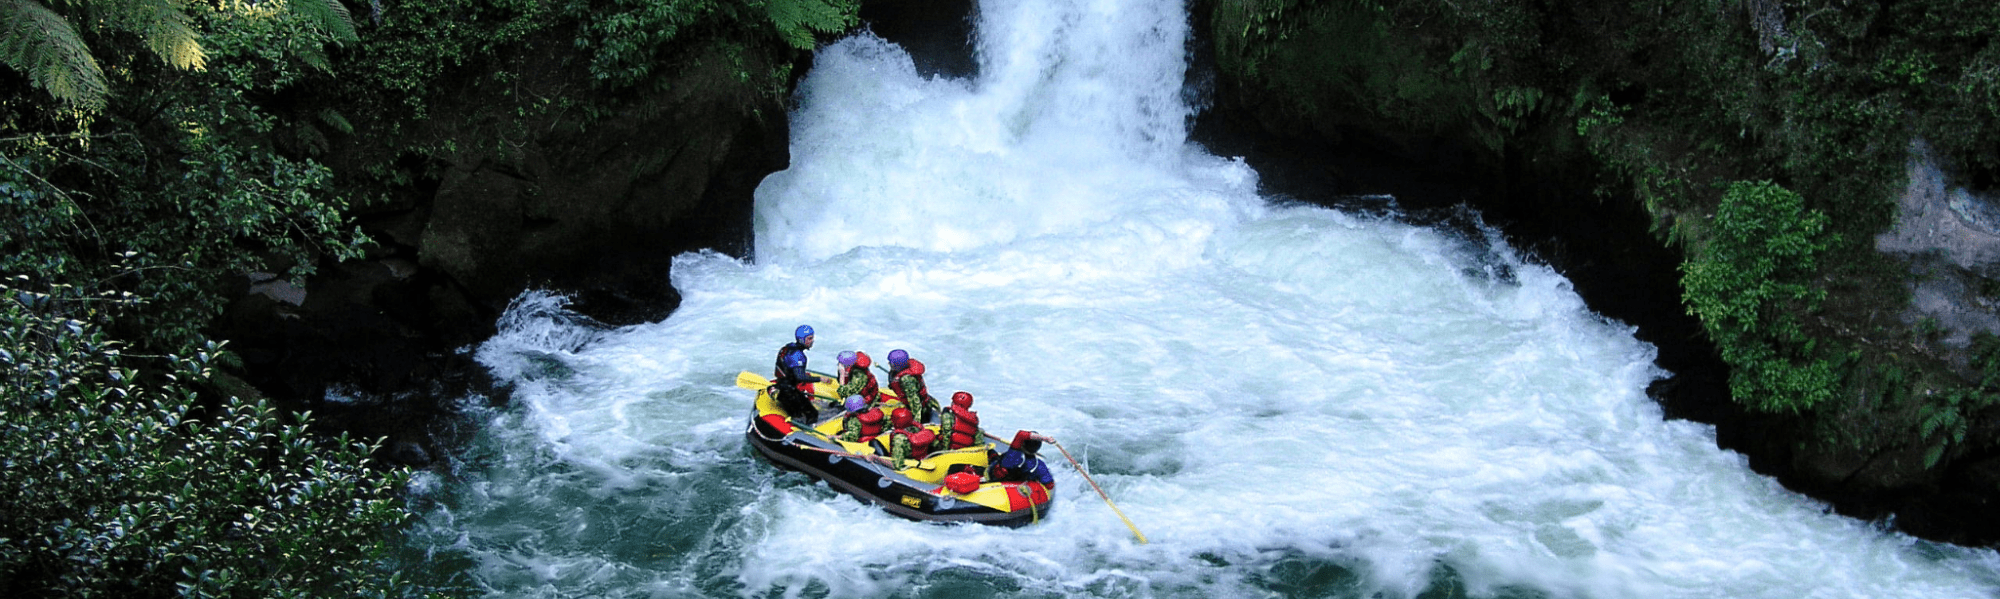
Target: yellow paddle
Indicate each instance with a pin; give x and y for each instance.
(750, 380)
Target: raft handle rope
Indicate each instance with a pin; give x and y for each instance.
(837, 453)
(883, 460)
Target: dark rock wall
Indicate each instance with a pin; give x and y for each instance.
(501, 199)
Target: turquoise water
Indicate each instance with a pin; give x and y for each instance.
(1289, 401)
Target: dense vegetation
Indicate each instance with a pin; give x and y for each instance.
(155, 154)
(1767, 138)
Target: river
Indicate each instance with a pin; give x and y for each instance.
(1289, 401)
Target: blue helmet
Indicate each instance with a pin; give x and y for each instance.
(802, 333)
(898, 358)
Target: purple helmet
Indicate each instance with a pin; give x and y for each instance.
(899, 358)
(846, 358)
(856, 404)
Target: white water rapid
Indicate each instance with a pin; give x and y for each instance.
(1288, 401)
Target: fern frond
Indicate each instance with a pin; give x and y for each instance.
(41, 44)
(1931, 456)
(328, 15)
(338, 122)
(1934, 419)
(311, 54)
(796, 20)
(162, 24)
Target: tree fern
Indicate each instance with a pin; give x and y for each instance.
(1947, 422)
(327, 15)
(797, 20)
(45, 44)
(163, 25)
(41, 44)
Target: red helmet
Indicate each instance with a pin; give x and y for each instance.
(961, 399)
(861, 359)
(923, 437)
(901, 418)
(1026, 441)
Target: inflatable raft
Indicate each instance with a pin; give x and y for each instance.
(916, 492)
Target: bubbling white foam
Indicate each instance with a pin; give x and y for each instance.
(1285, 400)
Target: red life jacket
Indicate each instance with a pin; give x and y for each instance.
(869, 390)
(919, 438)
(964, 427)
(871, 423)
(922, 403)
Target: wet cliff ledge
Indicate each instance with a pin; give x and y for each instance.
(528, 180)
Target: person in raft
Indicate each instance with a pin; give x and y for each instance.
(959, 424)
(908, 440)
(855, 379)
(1019, 464)
(794, 383)
(906, 376)
(863, 421)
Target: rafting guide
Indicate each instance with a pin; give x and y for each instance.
(794, 382)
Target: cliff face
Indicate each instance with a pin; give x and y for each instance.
(508, 195)
(1600, 139)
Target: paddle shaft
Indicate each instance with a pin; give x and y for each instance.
(1086, 478)
(1100, 492)
(751, 380)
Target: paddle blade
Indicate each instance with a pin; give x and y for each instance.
(750, 380)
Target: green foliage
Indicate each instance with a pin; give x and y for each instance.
(630, 40)
(420, 55)
(43, 41)
(1749, 285)
(121, 481)
(127, 475)
(798, 20)
(40, 43)
(171, 194)
(1943, 422)
(1318, 60)
(402, 60)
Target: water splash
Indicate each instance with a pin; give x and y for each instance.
(1289, 401)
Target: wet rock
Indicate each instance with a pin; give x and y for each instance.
(410, 453)
(595, 205)
(1950, 238)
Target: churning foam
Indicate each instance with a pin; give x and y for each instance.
(1288, 401)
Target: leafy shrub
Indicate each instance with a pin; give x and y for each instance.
(630, 39)
(1749, 285)
(122, 481)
